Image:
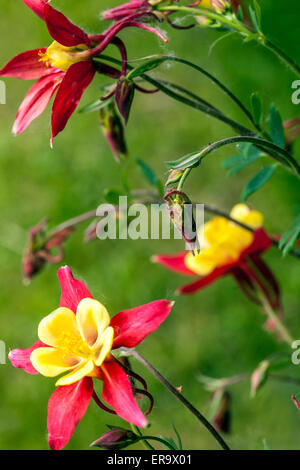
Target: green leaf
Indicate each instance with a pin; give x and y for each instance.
(254, 19)
(265, 444)
(178, 437)
(258, 181)
(190, 160)
(150, 176)
(276, 127)
(248, 154)
(240, 14)
(256, 107)
(146, 67)
(94, 106)
(290, 237)
(112, 195)
(171, 441)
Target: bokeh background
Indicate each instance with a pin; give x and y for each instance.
(215, 332)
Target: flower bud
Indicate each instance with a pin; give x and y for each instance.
(259, 377)
(116, 438)
(113, 129)
(124, 97)
(220, 410)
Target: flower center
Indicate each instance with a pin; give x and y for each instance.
(62, 57)
(72, 345)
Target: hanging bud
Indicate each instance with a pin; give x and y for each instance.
(124, 97)
(181, 213)
(259, 377)
(116, 438)
(220, 415)
(113, 129)
(38, 250)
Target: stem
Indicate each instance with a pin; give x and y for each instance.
(145, 443)
(277, 153)
(275, 318)
(186, 403)
(282, 56)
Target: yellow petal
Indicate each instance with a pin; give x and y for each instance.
(84, 369)
(60, 321)
(243, 213)
(201, 264)
(51, 362)
(107, 341)
(92, 319)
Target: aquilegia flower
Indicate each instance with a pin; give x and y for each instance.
(66, 66)
(230, 249)
(78, 348)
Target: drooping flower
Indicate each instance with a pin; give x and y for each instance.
(76, 340)
(65, 67)
(228, 248)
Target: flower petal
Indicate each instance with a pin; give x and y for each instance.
(107, 342)
(27, 66)
(77, 78)
(50, 362)
(83, 370)
(37, 6)
(206, 280)
(66, 407)
(174, 263)
(72, 290)
(21, 358)
(62, 30)
(132, 326)
(92, 319)
(118, 394)
(35, 101)
(60, 322)
(261, 243)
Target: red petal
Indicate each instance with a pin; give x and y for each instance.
(205, 281)
(132, 326)
(36, 101)
(27, 66)
(62, 30)
(66, 407)
(21, 357)
(72, 290)
(174, 263)
(118, 394)
(77, 78)
(261, 242)
(37, 6)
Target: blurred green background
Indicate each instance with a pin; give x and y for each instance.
(216, 332)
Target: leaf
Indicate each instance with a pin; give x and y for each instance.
(258, 12)
(150, 176)
(190, 160)
(256, 107)
(240, 14)
(258, 181)
(171, 441)
(290, 237)
(146, 67)
(254, 19)
(94, 106)
(112, 195)
(265, 444)
(178, 437)
(247, 155)
(276, 127)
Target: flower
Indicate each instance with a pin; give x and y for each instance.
(65, 67)
(132, 9)
(80, 347)
(228, 248)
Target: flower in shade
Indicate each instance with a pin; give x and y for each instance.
(229, 248)
(66, 67)
(75, 343)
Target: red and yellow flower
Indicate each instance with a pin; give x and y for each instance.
(66, 66)
(229, 248)
(76, 343)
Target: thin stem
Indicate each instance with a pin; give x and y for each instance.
(282, 56)
(145, 443)
(183, 178)
(275, 318)
(179, 396)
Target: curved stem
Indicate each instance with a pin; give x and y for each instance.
(278, 323)
(146, 444)
(279, 154)
(179, 396)
(282, 56)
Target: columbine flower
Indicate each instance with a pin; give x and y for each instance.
(66, 66)
(79, 347)
(230, 249)
(132, 9)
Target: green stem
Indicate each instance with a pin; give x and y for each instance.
(275, 318)
(282, 56)
(145, 443)
(179, 396)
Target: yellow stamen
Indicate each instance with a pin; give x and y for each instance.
(62, 57)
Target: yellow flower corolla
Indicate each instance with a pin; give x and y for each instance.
(78, 344)
(62, 57)
(205, 4)
(224, 240)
